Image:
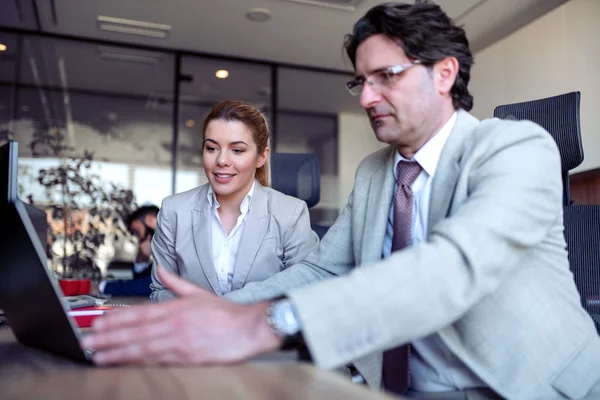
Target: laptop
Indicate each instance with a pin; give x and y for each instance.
(29, 294)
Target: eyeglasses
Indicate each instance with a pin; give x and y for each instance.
(379, 79)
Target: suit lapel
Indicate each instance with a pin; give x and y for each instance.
(448, 168)
(202, 232)
(255, 228)
(379, 203)
(378, 209)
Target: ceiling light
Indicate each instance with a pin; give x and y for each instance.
(2, 47)
(190, 123)
(344, 5)
(129, 57)
(222, 74)
(133, 22)
(133, 27)
(258, 15)
(133, 31)
(110, 53)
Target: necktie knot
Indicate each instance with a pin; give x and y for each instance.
(407, 172)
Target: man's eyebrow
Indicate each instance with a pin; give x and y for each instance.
(372, 72)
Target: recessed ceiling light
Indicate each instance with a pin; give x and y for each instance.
(258, 15)
(2, 47)
(190, 123)
(222, 74)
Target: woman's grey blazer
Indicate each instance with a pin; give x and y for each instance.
(277, 234)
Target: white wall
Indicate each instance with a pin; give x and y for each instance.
(356, 141)
(554, 54)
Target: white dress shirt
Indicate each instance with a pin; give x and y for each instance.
(433, 367)
(225, 246)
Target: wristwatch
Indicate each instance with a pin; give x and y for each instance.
(283, 321)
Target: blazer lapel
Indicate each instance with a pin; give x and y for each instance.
(448, 168)
(255, 228)
(378, 209)
(202, 232)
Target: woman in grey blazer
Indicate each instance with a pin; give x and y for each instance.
(234, 229)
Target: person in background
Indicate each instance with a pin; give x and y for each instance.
(445, 276)
(142, 224)
(235, 229)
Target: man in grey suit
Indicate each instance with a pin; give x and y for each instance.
(445, 272)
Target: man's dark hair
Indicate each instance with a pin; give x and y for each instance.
(425, 33)
(140, 214)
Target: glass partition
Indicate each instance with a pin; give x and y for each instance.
(94, 126)
(309, 103)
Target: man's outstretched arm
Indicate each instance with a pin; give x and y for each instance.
(333, 256)
(195, 328)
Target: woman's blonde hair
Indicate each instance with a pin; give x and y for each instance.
(253, 119)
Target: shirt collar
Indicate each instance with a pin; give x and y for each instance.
(214, 203)
(429, 155)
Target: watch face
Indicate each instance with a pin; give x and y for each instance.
(284, 317)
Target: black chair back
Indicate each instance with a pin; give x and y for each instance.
(298, 175)
(582, 233)
(559, 115)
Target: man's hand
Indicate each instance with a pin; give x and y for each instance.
(144, 250)
(94, 288)
(196, 328)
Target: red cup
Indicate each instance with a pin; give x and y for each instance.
(70, 287)
(84, 286)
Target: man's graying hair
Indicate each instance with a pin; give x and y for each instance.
(425, 33)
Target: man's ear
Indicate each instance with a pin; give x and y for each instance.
(445, 72)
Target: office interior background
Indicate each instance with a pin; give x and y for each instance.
(131, 81)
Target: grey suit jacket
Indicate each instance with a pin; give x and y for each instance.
(492, 279)
(277, 234)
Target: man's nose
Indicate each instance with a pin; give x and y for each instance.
(369, 97)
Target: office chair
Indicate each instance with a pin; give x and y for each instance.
(582, 232)
(298, 175)
(559, 115)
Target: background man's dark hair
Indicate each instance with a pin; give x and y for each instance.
(141, 213)
(425, 33)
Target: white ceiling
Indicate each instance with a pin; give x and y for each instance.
(297, 34)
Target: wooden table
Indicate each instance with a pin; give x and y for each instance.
(28, 373)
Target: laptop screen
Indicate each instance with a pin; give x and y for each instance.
(29, 293)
